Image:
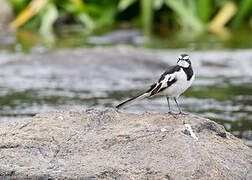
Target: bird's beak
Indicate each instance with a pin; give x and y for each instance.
(183, 63)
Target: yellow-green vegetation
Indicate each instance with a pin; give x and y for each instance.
(218, 16)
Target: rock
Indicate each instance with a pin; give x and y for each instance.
(6, 13)
(6, 33)
(106, 144)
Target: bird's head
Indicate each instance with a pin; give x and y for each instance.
(184, 61)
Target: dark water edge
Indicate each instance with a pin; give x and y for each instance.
(28, 41)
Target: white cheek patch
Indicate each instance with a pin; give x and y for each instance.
(183, 64)
(186, 57)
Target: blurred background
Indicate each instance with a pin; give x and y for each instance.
(69, 54)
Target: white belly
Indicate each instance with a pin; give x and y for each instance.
(180, 86)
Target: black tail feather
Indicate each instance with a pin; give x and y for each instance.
(119, 106)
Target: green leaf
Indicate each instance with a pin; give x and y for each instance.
(107, 17)
(204, 10)
(86, 20)
(18, 5)
(146, 16)
(49, 16)
(157, 4)
(244, 9)
(184, 13)
(124, 4)
(191, 6)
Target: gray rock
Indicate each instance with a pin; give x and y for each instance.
(6, 33)
(106, 144)
(6, 13)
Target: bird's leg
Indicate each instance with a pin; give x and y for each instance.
(169, 112)
(180, 112)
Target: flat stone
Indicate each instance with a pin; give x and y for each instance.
(107, 144)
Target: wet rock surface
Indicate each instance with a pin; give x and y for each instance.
(106, 144)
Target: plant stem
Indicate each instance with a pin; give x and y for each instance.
(146, 16)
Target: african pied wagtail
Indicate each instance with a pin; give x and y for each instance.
(172, 83)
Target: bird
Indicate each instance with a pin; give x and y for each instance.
(172, 83)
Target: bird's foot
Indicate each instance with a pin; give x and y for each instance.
(174, 115)
(171, 113)
(182, 113)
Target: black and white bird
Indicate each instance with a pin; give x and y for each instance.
(172, 83)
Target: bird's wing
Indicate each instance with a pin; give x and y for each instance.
(166, 80)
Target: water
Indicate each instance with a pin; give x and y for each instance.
(40, 83)
(74, 37)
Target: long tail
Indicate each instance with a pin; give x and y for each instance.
(131, 100)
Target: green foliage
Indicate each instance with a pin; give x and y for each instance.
(124, 4)
(186, 12)
(245, 9)
(93, 14)
(146, 14)
(19, 5)
(50, 14)
(157, 4)
(204, 10)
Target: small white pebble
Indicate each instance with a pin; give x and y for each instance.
(60, 118)
(163, 130)
(189, 128)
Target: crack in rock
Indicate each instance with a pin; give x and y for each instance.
(9, 146)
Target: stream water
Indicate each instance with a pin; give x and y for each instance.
(29, 88)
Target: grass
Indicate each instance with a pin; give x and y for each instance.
(195, 15)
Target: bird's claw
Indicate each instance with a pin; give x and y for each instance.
(171, 113)
(182, 113)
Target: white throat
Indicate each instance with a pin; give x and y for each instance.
(183, 64)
